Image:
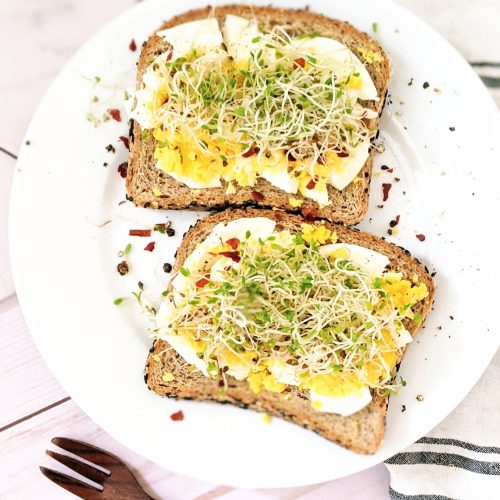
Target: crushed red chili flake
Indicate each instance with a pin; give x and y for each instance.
(299, 63)
(132, 45)
(231, 255)
(385, 190)
(311, 184)
(309, 212)
(115, 114)
(253, 150)
(390, 170)
(342, 154)
(203, 281)
(150, 246)
(169, 56)
(233, 243)
(397, 219)
(257, 196)
(420, 237)
(140, 232)
(125, 141)
(177, 416)
(122, 169)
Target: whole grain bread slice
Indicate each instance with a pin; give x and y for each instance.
(148, 186)
(361, 432)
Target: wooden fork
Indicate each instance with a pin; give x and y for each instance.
(114, 479)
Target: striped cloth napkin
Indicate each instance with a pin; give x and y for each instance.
(460, 458)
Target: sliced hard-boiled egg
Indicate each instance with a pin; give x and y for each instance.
(369, 260)
(277, 173)
(344, 405)
(184, 347)
(239, 34)
(259, 227)
(346, 169)
(202, 35)
(404, 338)
(330, 49)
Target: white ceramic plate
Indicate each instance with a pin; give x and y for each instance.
(64, 258)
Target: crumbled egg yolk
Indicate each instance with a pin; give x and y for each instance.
(402, 291)
(333, 384)
(168, 377)
(264, 380)
(180, 155)
(320, 234)
(370, 56)
(355, 82)
(295, 202)
(266, 418)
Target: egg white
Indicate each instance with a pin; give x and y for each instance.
(202, 35)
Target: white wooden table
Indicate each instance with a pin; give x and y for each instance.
(36, 40)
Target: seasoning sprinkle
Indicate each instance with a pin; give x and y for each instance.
(177, 416)
(122, 268)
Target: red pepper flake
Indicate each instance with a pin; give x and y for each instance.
(397, 219)
(390, 170)
(253, 150)
(132, 45)
(150, 246)
(342, 154)
(177, 416)
(231, 255)
(122, 169)
(233, 243)
(115, 114)
(257, 196)
(309, 212)
(140, 232)
(420, 237)
(385, 191)
(169, 56)
(228, 268)
(125, 141)
(311, 184)
(299, 63)
(203, 281)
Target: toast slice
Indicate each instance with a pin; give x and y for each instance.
(361, 432)
(148, 186)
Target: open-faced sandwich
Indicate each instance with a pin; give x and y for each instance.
(244, 105)
(303, 320)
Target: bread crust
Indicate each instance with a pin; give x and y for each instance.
(361, 432)
(348, 206)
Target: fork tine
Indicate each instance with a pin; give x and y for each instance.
(71, 484)
(85, 470)
(91, 453)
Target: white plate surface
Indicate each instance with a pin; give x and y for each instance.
(64, 258)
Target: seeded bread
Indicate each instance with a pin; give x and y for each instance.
(145, 181)
(361, 432)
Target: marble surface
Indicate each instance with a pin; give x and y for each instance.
(36, 40)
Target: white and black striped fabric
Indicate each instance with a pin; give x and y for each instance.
(459, 459)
